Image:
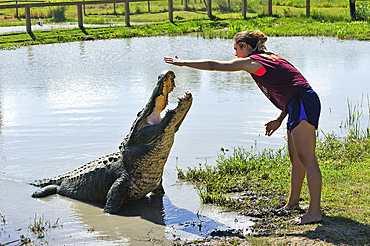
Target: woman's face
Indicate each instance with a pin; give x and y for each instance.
(241, 51)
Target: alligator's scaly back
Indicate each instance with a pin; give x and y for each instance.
(137, 168)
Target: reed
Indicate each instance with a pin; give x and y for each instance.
(353, 120)
(40, 226)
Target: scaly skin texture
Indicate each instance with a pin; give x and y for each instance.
(137, 168)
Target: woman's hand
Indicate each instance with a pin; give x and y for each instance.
(173, 60)
(272, 126)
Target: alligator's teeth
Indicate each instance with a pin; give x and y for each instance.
(186, 92)
(183, 97)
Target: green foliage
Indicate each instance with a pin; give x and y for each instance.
(287, 12)
(362, 11)
(138, 9)
(96, 20)
(355, 147)
(58, 13)
(264, 172)
(314, 3)
(223, 6)
(336, 153)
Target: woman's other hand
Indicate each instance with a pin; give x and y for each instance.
(272, 126)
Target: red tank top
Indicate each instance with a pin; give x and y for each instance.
(281, 81)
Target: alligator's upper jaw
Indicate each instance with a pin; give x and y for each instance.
(149, 124)
(159, 99)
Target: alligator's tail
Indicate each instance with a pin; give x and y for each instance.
(46, 191)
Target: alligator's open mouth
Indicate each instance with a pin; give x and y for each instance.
(161, 104)
(161, 100)
(149, 124)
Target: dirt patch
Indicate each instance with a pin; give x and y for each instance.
(217, 241)
(285, 240)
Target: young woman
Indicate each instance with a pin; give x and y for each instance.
(289, 91)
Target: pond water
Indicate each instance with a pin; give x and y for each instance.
(63, 105)
(49, 27)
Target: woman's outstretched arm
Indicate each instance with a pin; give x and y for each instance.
(237, 64)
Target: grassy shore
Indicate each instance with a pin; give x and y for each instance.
(288, 20)
(257, 183)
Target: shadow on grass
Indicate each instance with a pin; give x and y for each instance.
(32, 35)
(84, 30)
(339, 230)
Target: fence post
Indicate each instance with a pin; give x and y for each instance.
(170, 10)
(308, 8)
(84, 8)
(209, 8)
(127, 13)
(80, 17)
(270, 7)
(352, 9)
(16, 10)
(244, 8)
(28, 19)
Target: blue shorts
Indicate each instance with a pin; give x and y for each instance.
(304, 105)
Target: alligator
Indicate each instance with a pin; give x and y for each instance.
(137, 168)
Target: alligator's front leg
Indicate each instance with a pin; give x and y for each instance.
(116, 195)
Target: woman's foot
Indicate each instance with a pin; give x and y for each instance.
(307, 219)
(286, 210)
(291, 206)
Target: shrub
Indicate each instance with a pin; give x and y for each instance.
(223, 6)
(363, 12)
(58, 14)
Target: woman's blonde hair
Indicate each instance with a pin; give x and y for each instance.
(256, 39)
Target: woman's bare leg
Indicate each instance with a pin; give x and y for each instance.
(304, 141)
(297, 174)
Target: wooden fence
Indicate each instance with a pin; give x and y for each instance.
(79, 5)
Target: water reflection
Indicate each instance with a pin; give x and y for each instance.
(168, 220)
